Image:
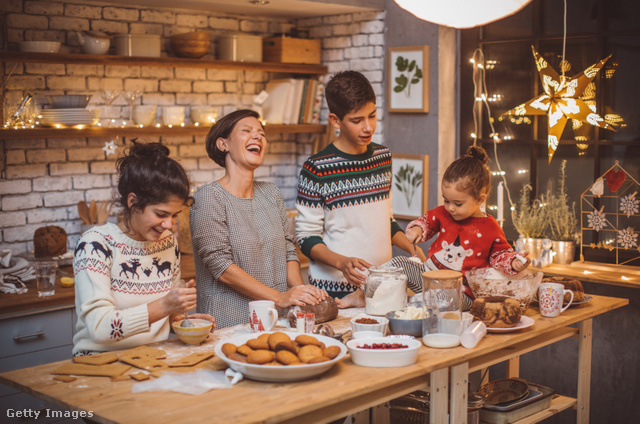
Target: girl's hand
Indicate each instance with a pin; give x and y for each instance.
(305, 294)
(518, 265)
(181, 298)
(414, 234)
(353, 270)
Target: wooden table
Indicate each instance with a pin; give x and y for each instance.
(345, 389)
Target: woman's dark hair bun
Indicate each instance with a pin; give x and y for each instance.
(478, 153)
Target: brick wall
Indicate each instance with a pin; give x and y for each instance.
(42, 180)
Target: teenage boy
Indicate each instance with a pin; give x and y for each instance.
(345, 223)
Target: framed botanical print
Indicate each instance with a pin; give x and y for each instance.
(410, 192)
(408, 79)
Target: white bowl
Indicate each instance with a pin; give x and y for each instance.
(39, 46)
(366, 334)
(284, 373)
(204, 114)
(173, 115)
(384, 357)
(144, 114)
(381, 326)
(193, 335)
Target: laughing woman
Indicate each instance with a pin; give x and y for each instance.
(241, 246)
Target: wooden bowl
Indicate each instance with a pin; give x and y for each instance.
(191, 44)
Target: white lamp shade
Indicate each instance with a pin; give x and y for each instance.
(462, 13)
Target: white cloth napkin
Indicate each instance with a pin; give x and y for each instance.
(6, 287)
(16, 267)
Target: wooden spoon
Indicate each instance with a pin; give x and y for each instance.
(93, 212)
(83, 211)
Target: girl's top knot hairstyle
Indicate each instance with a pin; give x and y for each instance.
(147, 171)
(470, 172)
(222, 129)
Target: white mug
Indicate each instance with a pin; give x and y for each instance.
(263, 315)
(550, 296)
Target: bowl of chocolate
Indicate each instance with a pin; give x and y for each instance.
(369, 323)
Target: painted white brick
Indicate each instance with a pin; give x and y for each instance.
(378, 51)
(62, 199)
(164, 99)
(374, 76)
(83, 11)
(376, 39)
(120, 14)
(372, 27)
(282, 147)
(68, 168)
(25, 82)
(208, 87)
(346, 29)
(369, 16)
(44, 68)
(199, 178)
(16, 203)
(335, 67)
(92, 70)
(52, 184)
(206, 164)
(177, 140)
(157, 16)
(309, 22)
(337, 19)
(15, 157)
(191, 99)
(231, 87)
(336, 43)
(109, 26)
(332, 55)
(191, 73)
(100, 84)
(146, 85)
(24, 233)
(192, 151)
(40, 215)
(25, 171)
(65, 143)
(224, 23)
(256, 76)
(83, 182)
(366, 65)
(15, 187)
(175, 86)
(65, 23)
(320, 31)
(122, 71)
(27, 21)
(188, 164)
(86, 154)
(12, 219)
(254, 26)
(222, 74)
(46, 156)
(195, 21)
(359, 40)
(158, 73)
(358, 52)
(99, 194)
(65, 83)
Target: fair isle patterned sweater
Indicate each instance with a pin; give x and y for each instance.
(115, 278)
(344, 201)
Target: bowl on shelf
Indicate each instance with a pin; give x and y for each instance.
(191, 44)
(523, 287)
(204, 114)
(193, 335)
(378, 357)
(144, 114)
(68, 101)
(39, 46)
(381, 324)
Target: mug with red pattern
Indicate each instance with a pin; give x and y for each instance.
(550, 296)
(263, 315)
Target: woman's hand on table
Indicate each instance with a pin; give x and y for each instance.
(301, 295)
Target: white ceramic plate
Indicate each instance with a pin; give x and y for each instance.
(384, 357)
(525, 322)
(277, 374)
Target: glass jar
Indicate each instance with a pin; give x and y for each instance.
(385, 290)
(442, 298)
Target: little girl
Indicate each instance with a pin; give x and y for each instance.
(467, 237)
(125, 273)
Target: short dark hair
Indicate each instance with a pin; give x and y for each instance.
(147, 171)
(223, 128)
(471, 172)
(348, 91)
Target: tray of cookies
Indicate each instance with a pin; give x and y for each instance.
(280, 356)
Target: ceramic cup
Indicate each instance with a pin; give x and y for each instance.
(550, 297)
(46, 277)
(173, 115)
(262, 315)
(472, 335)
(144, 114)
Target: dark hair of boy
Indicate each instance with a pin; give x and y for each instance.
(222, 129)
(147, 171)
(470, 172)
(348, 91)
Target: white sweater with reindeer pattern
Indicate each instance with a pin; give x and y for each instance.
(115, 278)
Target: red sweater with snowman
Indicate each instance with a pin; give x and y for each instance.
(475, 242)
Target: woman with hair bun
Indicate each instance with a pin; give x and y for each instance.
(466, 236)
(126, 274)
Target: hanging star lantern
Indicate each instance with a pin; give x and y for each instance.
(110, 147)
(561, 100)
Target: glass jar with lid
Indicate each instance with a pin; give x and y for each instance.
(385, 290)
(442, 297)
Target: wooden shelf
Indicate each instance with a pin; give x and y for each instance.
(558, 404)
(89, 59)
(20, 134)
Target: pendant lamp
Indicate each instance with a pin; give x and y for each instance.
(462, 13)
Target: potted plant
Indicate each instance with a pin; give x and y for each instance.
(562, 220)
(530, 221)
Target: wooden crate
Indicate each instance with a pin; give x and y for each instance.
(290, 50)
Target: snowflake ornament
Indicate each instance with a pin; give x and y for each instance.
(627, 238)
(110, 147)
(629, 205)
(597, 220)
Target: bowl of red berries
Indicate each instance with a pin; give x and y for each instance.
(384, 351)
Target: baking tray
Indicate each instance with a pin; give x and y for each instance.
(539, 399)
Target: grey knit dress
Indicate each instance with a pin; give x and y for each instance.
(250, 233)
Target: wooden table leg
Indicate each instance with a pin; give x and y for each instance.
(584, 370)
(459, 392)
(439, 396)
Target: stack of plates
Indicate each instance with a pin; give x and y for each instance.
(69, 117)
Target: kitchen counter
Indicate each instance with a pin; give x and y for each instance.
(346, 388)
